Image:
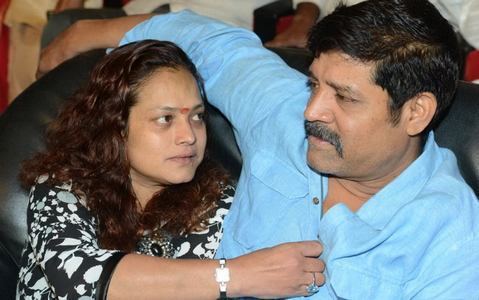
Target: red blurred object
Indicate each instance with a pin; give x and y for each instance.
(283, 23)
(3, 68)
(4, 38)
(471, 69)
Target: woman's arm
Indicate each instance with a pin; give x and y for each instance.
(268, 273)
(62, 256)
(281, 271)
(62, 236)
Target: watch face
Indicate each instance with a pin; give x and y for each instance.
(222, 275)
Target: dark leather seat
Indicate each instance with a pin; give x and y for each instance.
(23, 124)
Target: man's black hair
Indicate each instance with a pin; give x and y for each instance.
(413, 47)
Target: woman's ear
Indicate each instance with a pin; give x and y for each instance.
(124, 132)
(418, 112)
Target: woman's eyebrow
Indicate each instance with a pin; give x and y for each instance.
(182, 110)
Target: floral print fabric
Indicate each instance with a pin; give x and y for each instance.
(62, 259)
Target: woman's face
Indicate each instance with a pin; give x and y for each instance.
(166, 137)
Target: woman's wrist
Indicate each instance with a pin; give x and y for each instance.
(222, 276)
(236, 280)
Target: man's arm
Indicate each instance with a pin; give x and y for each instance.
(243, 79)
(86, 35)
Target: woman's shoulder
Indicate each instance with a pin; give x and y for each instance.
(46, 188)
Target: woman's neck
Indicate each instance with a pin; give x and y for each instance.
(144, 192)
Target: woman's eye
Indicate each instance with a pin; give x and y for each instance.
(164, 119)
(198, 116)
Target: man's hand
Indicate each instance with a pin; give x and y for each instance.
(282, 271)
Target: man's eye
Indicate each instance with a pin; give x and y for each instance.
(343, 98)
(198, 116)
(164, 119)
(312, 85)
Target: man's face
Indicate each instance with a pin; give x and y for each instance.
(350, 134)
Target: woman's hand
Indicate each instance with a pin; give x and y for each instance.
(282, 271)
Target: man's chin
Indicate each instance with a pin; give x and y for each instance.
(323, 161)
(322, 169)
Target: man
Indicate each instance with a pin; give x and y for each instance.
(395, 218)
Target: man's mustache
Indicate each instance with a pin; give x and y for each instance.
(320, 130)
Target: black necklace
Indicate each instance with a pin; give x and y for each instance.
(156, 243)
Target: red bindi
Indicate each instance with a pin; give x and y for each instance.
(184, 110)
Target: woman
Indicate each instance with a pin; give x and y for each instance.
(123, 175)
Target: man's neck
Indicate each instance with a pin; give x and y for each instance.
(351, 193)
(354, 192)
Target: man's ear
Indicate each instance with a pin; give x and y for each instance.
(418, 112)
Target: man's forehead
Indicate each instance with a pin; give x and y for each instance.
(344, 73)
(339, 56)
(338, 63)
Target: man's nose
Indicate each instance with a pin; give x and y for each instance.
(320, 107)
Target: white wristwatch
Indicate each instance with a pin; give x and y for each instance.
(222, 276)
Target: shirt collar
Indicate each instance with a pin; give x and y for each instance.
(379, 209)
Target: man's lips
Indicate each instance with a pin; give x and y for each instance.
(318, 141)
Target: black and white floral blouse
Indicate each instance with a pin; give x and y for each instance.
(62, 258)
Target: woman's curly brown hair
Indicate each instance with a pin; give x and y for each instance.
(85, 145)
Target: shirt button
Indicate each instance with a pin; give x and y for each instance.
(315, 201)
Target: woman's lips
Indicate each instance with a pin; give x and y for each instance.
(183, 158)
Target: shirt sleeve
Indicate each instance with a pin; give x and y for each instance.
(242, 78)
(63, 243)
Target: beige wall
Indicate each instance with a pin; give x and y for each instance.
(26, 19)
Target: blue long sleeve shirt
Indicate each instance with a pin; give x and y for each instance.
(417, 238)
